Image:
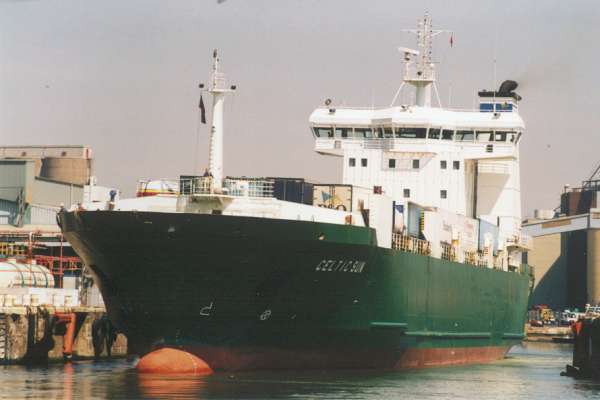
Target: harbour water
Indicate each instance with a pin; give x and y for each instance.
(531, 372)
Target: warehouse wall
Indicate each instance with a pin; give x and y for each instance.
(56, 193)
(550, 261)
(14, 176)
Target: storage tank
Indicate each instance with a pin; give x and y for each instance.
(16, 274)
(70, 170)
(153, 187)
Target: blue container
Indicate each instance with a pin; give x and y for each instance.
(296, 190)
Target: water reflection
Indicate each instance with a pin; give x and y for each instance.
(68, 371)
(532, 372)
(154, 386)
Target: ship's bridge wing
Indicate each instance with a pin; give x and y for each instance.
(480, 134)
(416, 116)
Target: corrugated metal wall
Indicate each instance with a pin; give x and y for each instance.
(41, 215)
(56, 193)
(8, 212)
(13, 178)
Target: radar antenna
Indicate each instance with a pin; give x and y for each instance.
(419, 68)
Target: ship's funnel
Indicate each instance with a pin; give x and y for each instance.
(508, 86)
(506, 89)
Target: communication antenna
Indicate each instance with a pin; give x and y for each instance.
(218, 89)
(419, 69)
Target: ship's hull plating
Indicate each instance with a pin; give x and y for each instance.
(246, 293)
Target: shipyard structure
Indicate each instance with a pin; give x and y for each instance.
(566, 255)
(48, 304)
(412, 260)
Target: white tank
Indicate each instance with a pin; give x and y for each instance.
(16, 274)
(153, 187)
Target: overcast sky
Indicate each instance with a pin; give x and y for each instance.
(122, 77)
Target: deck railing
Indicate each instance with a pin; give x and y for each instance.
(239, 187)
(448, 251)
(410, 244)
(471, 257)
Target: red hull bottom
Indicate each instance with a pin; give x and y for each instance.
(223, 358)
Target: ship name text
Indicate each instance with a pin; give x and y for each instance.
(352, 266)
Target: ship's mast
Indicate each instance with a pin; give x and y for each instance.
(218, 90)
(419, 68)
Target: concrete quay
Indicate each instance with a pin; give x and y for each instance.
(37, 334)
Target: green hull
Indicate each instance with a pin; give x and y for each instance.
(246, 292)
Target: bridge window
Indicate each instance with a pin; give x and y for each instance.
(406, 193)
(456, 164)
(465, 136)
(411, 133)
(343, 132)
(434, 133)
(363, 132)
(415, 164)
(443, 164)
(517, 137)
(443, 194)
(385, 132)
(323, 132)
(363, 162)
(500, 136)
(447, 134)
(484, 136)
(352, 162)
(392, 163)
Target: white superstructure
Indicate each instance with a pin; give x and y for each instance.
(428, 180)
(464, 162)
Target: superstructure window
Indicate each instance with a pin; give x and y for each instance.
(363, 162)
(456, 164)
(443, 164)
(343, 133)
(434, 133)
(447, 134)
(363, 132)
(323, 132)
(500, 136)
(386, 132)
(406, 193)
(415, 164)
(443, 194)
(411, 133)
(352, 162)
(484, 136)
(392, 163)
(465, 136)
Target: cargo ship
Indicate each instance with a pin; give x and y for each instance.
(413, 261)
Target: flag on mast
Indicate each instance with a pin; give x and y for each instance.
(202, 111)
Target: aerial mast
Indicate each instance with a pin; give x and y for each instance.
(419, 68)
(217, 88)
